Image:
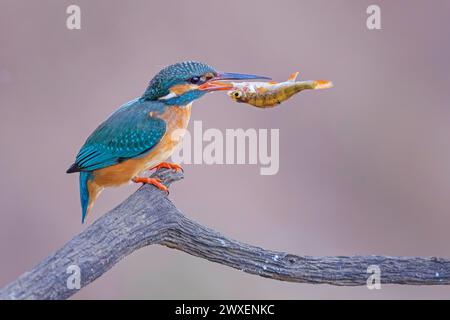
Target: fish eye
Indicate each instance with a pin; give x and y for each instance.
(237, 94)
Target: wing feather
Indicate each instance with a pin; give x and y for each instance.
(128, 133)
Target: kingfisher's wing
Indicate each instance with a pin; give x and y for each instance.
(128, 133)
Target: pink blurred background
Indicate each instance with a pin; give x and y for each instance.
(364, 167)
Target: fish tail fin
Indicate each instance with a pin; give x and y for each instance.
(87, 199)
(322, 84)
(312, 85)
(293, 76)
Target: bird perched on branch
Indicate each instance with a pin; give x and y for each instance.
(140, 135)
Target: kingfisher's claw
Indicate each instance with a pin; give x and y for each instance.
(168, 165)
(154, 181)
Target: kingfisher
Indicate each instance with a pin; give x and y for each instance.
(143, 133)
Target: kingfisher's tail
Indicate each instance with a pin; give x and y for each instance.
(86, 200)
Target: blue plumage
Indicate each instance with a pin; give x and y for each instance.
(175, 74)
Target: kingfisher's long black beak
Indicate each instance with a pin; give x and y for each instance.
(216, 84)
(238, 76)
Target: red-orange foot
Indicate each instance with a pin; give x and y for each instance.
(168, 165)
(154, 181)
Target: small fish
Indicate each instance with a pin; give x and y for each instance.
(270, 94)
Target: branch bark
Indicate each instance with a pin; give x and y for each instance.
(148, 217)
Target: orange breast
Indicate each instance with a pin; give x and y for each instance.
(177, 120)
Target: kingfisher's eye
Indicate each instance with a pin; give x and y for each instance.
(194, 80)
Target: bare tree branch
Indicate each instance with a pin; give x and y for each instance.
(148, 217)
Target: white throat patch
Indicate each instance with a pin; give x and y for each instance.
(168, 96)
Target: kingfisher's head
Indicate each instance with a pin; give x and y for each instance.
(182, 83)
